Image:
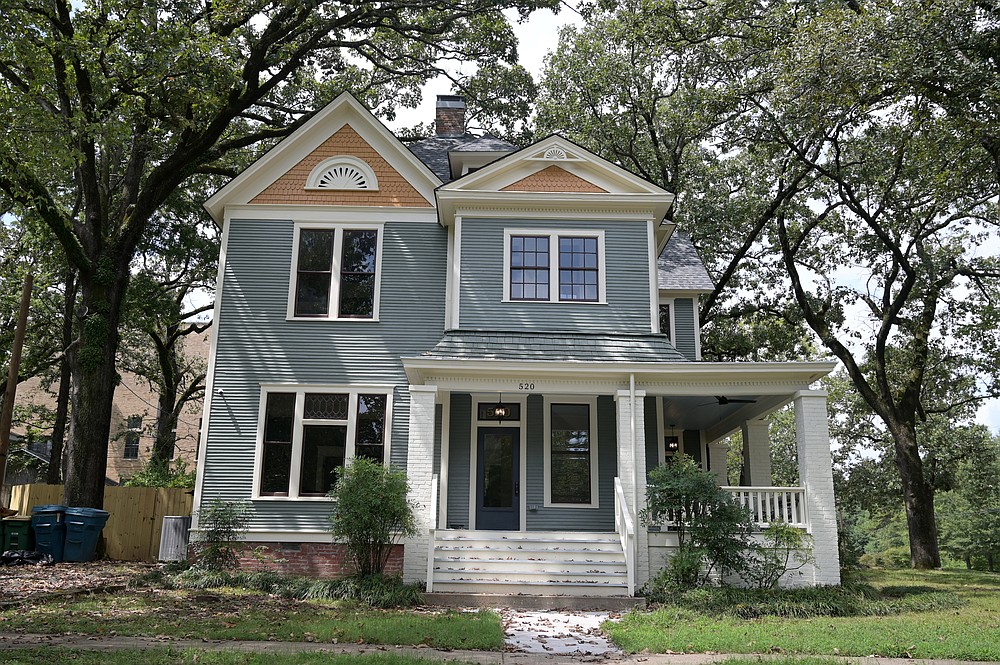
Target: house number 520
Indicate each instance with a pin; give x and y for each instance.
(526, 386)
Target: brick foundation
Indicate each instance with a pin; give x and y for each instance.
(319, 560)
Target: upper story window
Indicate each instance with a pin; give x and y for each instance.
(666, 320)
(132, 434)
(309, 433)
(335, 272)
(534, 259)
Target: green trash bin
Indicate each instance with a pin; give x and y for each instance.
(17, 534)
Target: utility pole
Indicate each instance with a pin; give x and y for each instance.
(7, 415)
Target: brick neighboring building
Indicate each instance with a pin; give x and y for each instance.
(133, 421)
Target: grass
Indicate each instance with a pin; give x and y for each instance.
(965, 632)
(48, 655)
(239, 615)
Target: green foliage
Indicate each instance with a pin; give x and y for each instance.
(371, 513)
(849, 600)
(221, 526)
(785, 550)
(377, 591)
(158, 474)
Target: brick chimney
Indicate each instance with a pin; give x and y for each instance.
(450, 120)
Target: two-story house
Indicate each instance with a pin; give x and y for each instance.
(516, 328)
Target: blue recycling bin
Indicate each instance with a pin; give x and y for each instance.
(83, 528)
(49, 524)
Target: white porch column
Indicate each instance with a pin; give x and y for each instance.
(757, 453)
(718, 462)
(632, 455)
(812, 437)
(419, 469)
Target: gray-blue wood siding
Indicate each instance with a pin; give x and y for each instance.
(684, 328)
(628, 281)
(652, 433)
(256, 344)
(459, 459)
(692, 444)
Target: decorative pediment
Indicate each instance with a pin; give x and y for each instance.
(553, 179)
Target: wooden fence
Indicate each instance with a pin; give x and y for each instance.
(136, 515)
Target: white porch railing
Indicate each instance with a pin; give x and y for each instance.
(431, 534)
(773, 504)
(625, 526)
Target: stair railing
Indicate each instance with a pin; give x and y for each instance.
(625, 526)
(431, 533)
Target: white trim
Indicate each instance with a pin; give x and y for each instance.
(456, 277)
(213, 343)
(654, 313)
(350, 161)
(445, 455)
(449, 284)
(695, 307)
(298, 421)
(521, 425)
(554, 235)
(330, 213)
(591, 401)
(333, 304)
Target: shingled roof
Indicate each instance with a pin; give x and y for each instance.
(554, 346)
(434, 151)
(680, 267)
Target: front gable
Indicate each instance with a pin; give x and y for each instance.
(553, 179)
(343, 156)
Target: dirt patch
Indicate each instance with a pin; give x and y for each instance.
(18, 583)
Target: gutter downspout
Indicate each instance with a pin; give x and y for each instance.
(635, 469)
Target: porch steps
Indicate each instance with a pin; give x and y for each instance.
(552, 563)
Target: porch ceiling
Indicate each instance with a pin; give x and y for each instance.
(704, 413)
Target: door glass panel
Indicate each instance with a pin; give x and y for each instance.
(498, 463)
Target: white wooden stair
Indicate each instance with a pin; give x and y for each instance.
(529, 563)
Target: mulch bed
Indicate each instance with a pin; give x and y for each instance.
(18, 583)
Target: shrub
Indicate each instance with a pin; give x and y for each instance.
(713, 532)
(893, 557)
(785, 549)
(371, 513)
(159, 474)
(221, 526)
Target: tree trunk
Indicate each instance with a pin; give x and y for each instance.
(166, 423)
(968, 562)
(918, 497)
(53, 474)
(92, 364)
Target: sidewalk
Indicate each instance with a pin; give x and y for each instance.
(18, 641)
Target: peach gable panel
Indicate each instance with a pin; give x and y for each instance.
(554, 179)
(393, 189)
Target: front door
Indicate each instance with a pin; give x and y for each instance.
(498, 484)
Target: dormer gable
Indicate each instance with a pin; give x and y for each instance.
(342, 156)
(556, 177)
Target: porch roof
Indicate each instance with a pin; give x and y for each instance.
(554, 347)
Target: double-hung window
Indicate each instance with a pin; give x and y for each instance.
(132, 433)
(571, 454)
(336, 272)
(309, 433)
(554, 266)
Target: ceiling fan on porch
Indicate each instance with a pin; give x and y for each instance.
(722, 400)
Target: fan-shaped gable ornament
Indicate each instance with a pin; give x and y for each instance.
(342, 172)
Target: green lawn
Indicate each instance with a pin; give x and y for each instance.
(48, 655)
(970, 632)
(223, 615)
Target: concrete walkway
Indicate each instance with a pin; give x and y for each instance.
(18, 641)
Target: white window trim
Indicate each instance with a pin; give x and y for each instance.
(333, 306)
(298, 421)
(493, 398)
(594, 446)
(672, 332)
(554, 235)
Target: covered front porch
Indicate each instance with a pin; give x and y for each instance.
(553, 456)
